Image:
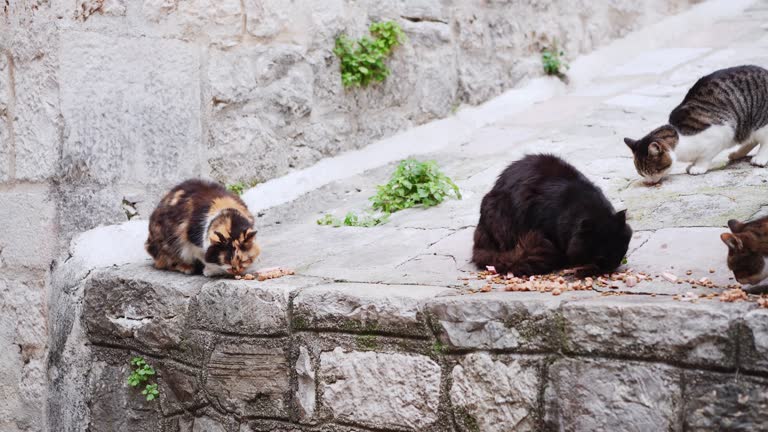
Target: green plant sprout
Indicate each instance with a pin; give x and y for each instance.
(362, 61)
(150, 391)
(352, 219)
(553, 62)
(240, 187)
(141, 374)
(414, 183)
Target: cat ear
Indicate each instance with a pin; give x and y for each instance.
(735, 226)
(654, 149)
(734, 243)
(630, 143)
(621, 216)
(220, 238)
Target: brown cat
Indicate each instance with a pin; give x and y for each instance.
(748, 252)
(201, 226)
(723, 109)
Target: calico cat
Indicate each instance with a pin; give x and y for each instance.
(748, 253)
(544, 215)
(201, 226)
(725, 108)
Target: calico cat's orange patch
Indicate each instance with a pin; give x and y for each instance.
(226, 202)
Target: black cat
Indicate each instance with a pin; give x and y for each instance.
(544, 215)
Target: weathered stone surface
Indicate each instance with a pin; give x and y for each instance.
(29, 236)
(207, 424)
(724, 402)
(136, 305)
(115, 406)
(508, 321)
(23, 335)
(246, 307)
(36, 118)
(85, 8)
(754, 343)
(368, 308)
(275, 86)
(677, 250)
(585, 394)
(268, 18)
(120, 97)
(495, 395)
(275, 426)
(221, 21)
(306, 385)
(704, 333)
(180, 387)
(249, 378)
(380, 390)
(5, 119)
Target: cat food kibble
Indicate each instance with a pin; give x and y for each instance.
(272, 273)
(669, 276)
(733, 295)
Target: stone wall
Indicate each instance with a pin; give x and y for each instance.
(109, 100)
(306, 354)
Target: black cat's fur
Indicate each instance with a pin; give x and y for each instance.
(544, 215)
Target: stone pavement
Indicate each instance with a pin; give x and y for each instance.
(378, 332)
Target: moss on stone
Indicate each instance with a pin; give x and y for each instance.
(366, 342)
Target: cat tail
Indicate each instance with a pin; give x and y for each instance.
(533, 254)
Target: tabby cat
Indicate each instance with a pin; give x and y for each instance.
(748, 252)
(723, 109)
(201, 226)
(543, 215)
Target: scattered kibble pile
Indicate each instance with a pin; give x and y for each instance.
(265, 274)
(558, 283)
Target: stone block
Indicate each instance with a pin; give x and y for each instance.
(246, 307)
(591, 395)
(138, 306)
(365, 308)
(250, 378)
(180, 387)
(29, 236)
(132, 109)
(380, 390)
(23, 336)
(306, 385)
(5, 131)
(237, 75)
(219, 21)
(724, 402)
(703, 334)
(496, 394)
(501, 321)
(754, 342)
(116, 407)
(268, 18)
(37, 126)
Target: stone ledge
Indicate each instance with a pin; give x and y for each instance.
(365, 308)
(704, 334)
(302, 354)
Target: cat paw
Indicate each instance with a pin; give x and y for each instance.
(696, 170)
(759, 160)
(211, 271)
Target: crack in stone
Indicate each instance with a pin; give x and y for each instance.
(423, 19)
